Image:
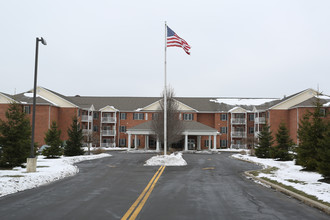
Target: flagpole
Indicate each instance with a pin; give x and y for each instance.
(165, 95)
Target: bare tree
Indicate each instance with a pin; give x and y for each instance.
(91, 138)
(174, 124)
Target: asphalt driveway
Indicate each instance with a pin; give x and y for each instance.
(209, 187)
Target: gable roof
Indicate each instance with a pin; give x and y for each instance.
(120, 103)
(5, 98)
(27, 98)
(311, 102)
(294, 99)
(197, 104)
(188, 126)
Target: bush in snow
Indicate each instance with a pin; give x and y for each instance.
(53, 139)
(15, 137)
(284, 143)
(324, 153)
(265, 143)
(74, 144)
(311, 133)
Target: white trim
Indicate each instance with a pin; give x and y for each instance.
(294, 97)
(8, 98)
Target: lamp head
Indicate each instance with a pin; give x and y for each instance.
(43, 41)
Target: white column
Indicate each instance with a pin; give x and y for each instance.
(210, 140)
(135, 142)
(199, 142)
(186, 142)
(157, 145)
(214, 142)
(146, 142)
(129, 141)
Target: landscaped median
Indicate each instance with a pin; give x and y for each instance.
(288, 178)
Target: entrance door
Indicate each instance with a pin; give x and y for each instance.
(191, 144)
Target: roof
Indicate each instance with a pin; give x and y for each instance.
(26, 98)
(120, 103)
(312, 101)
(188, 126)
(200, 104)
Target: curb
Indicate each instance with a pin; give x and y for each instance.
(305, 200)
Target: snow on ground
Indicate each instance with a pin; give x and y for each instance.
(175, 159)
(48, 170)
(105, 148)
(291, 175)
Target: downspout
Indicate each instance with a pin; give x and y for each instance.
(118, 129)
(297, 125)
(100, 128)
(49, 117)
(227, 129)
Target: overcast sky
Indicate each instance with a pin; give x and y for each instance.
(240, 48)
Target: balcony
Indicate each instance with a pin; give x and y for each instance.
(108, 120)
(238, 121)
(260, 120)
(110, 144)
(238, 134)
(108, 132)
(86, 118)
(238, 146)
(87, 131)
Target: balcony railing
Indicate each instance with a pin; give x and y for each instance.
(260, 120)
(86, 118)
(86, 131)
(108, 120)
(108, 132)
(239, 121)
(238, 134)
(238, 146)
(111, 144)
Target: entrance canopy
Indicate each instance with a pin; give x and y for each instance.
(189, 128)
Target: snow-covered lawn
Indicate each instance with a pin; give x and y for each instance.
(290, 174)
(175, 159)
(48, 170)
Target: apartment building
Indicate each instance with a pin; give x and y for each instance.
(208, 122)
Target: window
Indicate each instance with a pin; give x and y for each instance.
(138, 142)
(251, 130)
(95, 128)
(122, 128)
(155, 116)
(96, 115)
(188, 117)
(223, 117)
(123, 116)
(27, 109)
(223, 130)
(223, 143)
(251, 117)
(322, 112)
(206, 143)
(138, 116)
(122, 142)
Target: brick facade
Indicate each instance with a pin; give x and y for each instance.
(234, 128)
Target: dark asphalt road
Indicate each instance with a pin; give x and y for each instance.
(106, 188)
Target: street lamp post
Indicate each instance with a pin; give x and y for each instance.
(32, 161)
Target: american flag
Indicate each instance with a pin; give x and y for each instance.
(173, 40)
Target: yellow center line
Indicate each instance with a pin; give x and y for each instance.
(146, 193)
